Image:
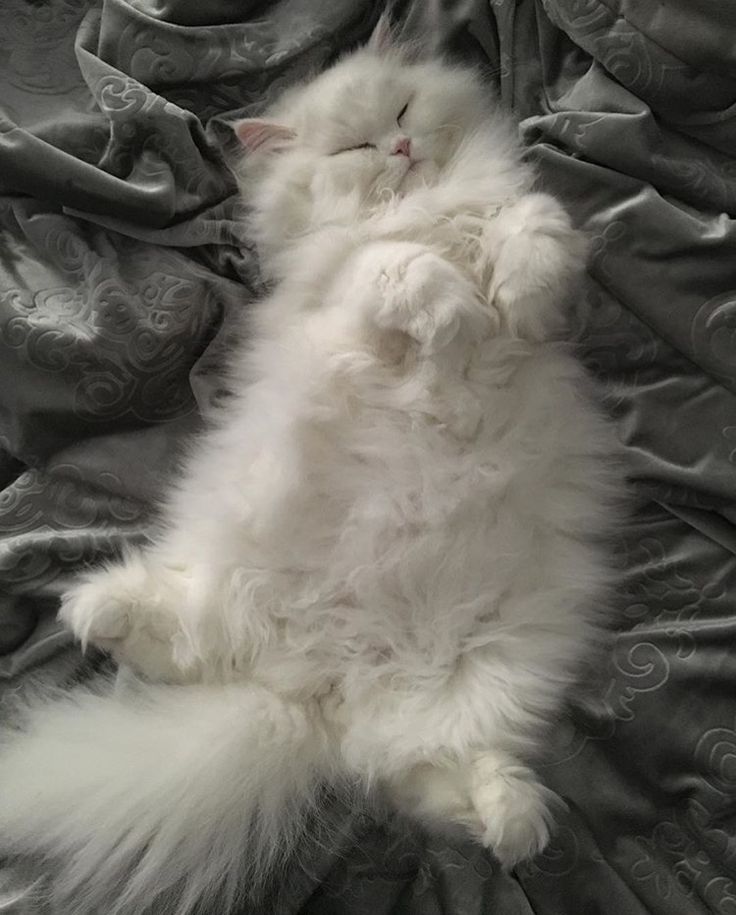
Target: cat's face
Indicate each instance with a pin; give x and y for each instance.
(372, 127)
(378, 125)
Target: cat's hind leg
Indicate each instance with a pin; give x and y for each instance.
(513, 806)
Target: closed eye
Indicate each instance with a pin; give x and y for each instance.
(401, 114)
(352, 148)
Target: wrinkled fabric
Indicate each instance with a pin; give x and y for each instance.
(122, 264)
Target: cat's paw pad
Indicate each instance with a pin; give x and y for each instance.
(514, 809)
(426, 298)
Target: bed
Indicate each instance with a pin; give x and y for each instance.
(123, 264)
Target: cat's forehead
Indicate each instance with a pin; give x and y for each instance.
(355, 92)
(362, 77)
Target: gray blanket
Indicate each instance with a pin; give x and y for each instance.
(122, 264)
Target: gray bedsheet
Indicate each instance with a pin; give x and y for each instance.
(122, 263)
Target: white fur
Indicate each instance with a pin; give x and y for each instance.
(384, 561)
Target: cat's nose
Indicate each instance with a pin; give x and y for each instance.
(402, 147)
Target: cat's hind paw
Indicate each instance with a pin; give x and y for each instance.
(514, 808)
(115, 609)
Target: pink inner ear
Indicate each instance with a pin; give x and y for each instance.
(262, 135)
(381, 37)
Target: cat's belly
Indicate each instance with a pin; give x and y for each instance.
(424, 549)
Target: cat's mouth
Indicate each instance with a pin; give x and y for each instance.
(411, 169)
(411, 172)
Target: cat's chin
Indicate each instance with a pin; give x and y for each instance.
(421, 173)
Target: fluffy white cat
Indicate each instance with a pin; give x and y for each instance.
(383, 563)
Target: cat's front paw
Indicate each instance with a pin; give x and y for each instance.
(109, 609)
(428, 299)
(513, 807)
(537, 259)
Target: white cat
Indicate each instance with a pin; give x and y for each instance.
(383, 563)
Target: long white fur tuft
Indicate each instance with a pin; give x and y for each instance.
(164, 799)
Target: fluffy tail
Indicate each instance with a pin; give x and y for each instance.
(162, 800)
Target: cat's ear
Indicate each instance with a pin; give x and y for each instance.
(382, 37)
(263, 136)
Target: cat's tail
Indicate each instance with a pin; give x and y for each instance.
(162, 799)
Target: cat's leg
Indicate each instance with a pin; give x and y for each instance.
(514, 807)
(457, 751)
(162, 608)
(403, 300)
(402, 286)
(537, 261)
(194, 602)
(493, 795)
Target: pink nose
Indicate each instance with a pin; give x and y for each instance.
(402, 147)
